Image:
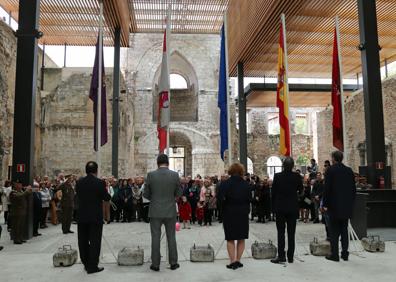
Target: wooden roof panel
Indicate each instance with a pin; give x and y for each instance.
(310, 30)
(75, 22)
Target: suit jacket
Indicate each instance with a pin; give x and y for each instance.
(340, 191)
(162, 186)
(285, 189)
(91, 192)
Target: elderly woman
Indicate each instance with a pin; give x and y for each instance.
(236, 195)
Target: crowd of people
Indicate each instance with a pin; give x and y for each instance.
(200, 200)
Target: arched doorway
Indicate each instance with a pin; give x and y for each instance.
(274, 165)
(180, 153)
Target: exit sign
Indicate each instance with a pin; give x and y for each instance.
(20, 168)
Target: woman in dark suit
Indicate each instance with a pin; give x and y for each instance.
(236, 195)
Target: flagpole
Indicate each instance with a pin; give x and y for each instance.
(168, 24)
(227, 91)
(286, 79)
(337, 24)
(99, 100)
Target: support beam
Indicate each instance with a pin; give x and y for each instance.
(372, 90)
(386, 68)
(116, 102)
(242, 117)
(64, 56)
(42, 69)
(25, 91)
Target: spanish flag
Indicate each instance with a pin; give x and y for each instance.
(282, 94)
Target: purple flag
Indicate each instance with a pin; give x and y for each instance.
(93, 95)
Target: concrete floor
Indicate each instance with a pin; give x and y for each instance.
(33, 260)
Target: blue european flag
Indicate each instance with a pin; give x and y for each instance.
(222, 97)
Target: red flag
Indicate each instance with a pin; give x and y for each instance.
(336, 98)
(282, 98)
(164, 89)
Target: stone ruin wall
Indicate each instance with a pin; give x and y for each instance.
(262, 145)
(355, 127)
(67, 124)
(196, 58)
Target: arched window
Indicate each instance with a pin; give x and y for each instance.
(274, 165)
(177, 81)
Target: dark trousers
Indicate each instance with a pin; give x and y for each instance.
(339, 227)
(67, 218)
(115, 213)
(208, 216)
(170, 229)
(193, 205)
(43, 217)
(89, 243)
(137, 211)
(17, 227)
(36, 220)
(145, 212)
(6, 217)
(283, 220)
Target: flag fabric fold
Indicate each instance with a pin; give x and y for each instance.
(336, 98)
(164, 91)
(222, 98)
(282, 98)
(93, 95)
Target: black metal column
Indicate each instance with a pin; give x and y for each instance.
(25, 91)
(242, 117)
(116, 101)
(372, 90)
(42, 69)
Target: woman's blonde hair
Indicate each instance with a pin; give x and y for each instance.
(236, 169)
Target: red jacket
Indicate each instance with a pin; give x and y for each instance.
(184, 211)
(199, 213)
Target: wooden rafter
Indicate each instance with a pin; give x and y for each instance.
(254, 31)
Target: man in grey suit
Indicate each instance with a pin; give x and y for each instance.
(161, 188)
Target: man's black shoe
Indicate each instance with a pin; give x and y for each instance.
(18, 242)
(290, 260)
(95, 270)
(71, 232)
(154, 268)
(278, 260)
(23, 241)
(174, 266)
(333, 258)
(1, 247)
(316, 221)
(345, 258)
(238, 264)
(36, 234)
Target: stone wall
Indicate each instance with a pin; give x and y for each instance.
(67, 124)
(195, 57)
(7, 88)
(262, 145)
(355, 127)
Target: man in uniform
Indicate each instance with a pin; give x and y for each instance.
(67, 204)
(18, 200)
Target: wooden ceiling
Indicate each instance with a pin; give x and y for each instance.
(76, 22)
(253, 34)
(188, 16)
(262, 99)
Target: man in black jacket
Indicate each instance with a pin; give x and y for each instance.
(338, 201)
(91, 192)
(285, 189)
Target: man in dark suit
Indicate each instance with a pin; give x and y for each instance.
(91, 192)
(285, 189)
(338, 201)
(161, 188)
